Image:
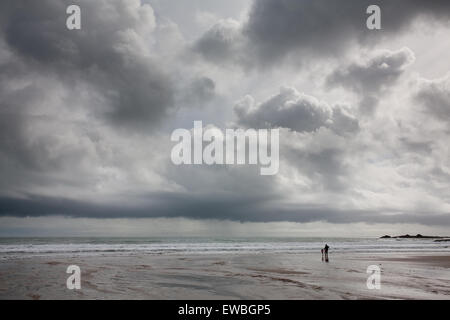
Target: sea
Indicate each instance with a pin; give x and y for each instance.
(24, 247)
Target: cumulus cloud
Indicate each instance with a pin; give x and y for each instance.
(376, 73)
(434, 95)
(223, 43)
(369, 78)
(296, 111)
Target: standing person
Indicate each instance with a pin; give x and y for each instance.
(326, 252)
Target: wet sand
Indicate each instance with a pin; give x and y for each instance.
(227, 276)
(440, 261)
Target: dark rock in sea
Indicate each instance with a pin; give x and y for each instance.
(417, 236)
(442, 240)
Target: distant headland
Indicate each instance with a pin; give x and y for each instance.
(417, 236)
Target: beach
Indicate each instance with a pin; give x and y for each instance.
(236, 274)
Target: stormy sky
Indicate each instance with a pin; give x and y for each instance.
(86, 117)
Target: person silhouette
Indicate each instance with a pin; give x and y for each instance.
(325, 250)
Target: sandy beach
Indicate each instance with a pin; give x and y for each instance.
(227, 276)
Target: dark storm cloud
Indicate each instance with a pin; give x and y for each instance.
(108, 52)
(24, 153)
(198, 91)
(66, 95)
(293, 110)
(235, 208)
(326, 167)
(421, 147)
(279, 28)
